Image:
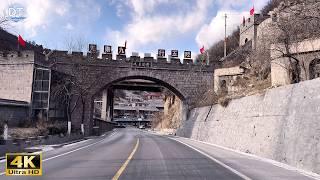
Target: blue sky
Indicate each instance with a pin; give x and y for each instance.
(147, 25)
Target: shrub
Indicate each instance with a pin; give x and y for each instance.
(224, 101)
(57, 128)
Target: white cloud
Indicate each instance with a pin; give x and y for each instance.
(147, 27)
(36, 13)
(214, 31)
(69, 26)
(41, 14)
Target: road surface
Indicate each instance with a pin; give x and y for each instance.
(135, 154)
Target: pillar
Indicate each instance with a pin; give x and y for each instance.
(184, 111)
(107, 105)
(104, 104)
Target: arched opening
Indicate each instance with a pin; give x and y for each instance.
(246, 40)
(136, 101)
(314, 69)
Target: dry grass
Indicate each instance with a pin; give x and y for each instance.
(224, 101)
(247, 85)
(40, 128)
(26, 132)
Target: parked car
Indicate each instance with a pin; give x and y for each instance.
(141, 127)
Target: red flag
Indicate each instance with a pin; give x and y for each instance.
(125, 44)
(202, 50)
(252, 11)
(21, 41)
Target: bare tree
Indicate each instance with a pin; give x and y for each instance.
(73, 90)
(62, 93)
(296, 21)
(73, 44)
(3, 22)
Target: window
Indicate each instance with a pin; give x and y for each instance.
(40, 94)
(314, 69)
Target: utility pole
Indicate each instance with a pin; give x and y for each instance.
(225, 35)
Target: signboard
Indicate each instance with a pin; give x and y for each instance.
(23, 164)
(92, 48)
(107, 49)
(141, 64)
(121, 50)
(187, 54)
(174, 53)
(161, 52)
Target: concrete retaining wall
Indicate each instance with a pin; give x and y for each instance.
(283, 124)
(102, 126)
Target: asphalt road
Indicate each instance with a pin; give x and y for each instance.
(129, 154)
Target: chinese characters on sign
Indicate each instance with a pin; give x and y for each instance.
(107, 49)
(161, 52)
(92, 48)
(187, 54)
(141, 64)
(174, 53)
(121, 50)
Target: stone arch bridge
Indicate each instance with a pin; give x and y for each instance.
(187, 80)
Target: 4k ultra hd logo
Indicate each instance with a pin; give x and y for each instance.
(23, 164)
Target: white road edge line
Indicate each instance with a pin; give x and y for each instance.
(215, 160)
(273, 162)
(79, 142)
(63, 154)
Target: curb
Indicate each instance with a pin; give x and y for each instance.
(72, 142)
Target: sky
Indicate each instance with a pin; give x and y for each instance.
(146, 25)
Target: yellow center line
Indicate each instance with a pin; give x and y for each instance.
(125, 164)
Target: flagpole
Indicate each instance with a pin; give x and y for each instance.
(208, 59)
(18, 45)
(225, 35)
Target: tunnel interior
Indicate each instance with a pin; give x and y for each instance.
(132, 101)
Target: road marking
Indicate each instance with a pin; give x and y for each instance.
(272, 162)
(69, 151)
(215, 160)
(72, 144)
(123, 167)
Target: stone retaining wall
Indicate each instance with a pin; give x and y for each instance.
(283, 124)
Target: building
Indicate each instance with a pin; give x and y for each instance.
(26, 82)
(249, 29)
(300, 63)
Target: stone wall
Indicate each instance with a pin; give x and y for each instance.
(304, 51)
(232, 72)
(96, 75)
(16, 76)
(283, 124)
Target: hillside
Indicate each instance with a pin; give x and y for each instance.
(216, 51)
